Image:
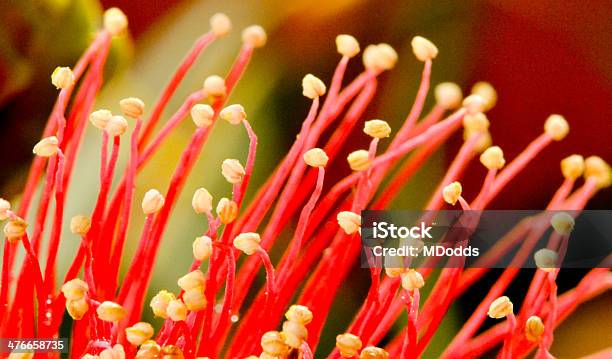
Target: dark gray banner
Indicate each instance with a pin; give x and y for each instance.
(487, 239)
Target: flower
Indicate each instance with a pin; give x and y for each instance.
(222, 308)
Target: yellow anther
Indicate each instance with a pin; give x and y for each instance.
(234, 114)
(74, 289)
(202, 248)
(350, 222)
(273, 343)
(194, 299)
(232, 170)
(77, 308)
(159, 303)
(202, 115)
(14, 229)
(110, 312)
(214, 86)
(359, 160)
(315, 157)
(534, 328)
(62, 77)
(546, 259)
(100, 118)
(177, 310)
(347, 45)
(312, 87)
(132, 107)
(500, 308)
(152, 201)
(80, 224)
(227, 210)
(254, 36)
(116, 126)
(556, 127)
(562, 223)
(46, 147)
(220, 24)
(572, 166)
(299, 313)
(423, 49)
(192, 280)
(448, 95)
(487, 92)
(377, 128)
(139, 333)
(247, 242)
(202, 201)
(348, 345)
(412, 280)
(493, 158)
(115, 21)
(452, 192)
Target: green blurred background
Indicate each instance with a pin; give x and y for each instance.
(546, 56)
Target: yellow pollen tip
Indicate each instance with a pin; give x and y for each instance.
(220, 24)
(5, 206)
(562, 223)
(312, 87)
(100, 118)
(423, 49)
(534, 328)
(115, 21)
(348, 345)
(202, 115)
(377, 128)
(132, 107)
(359, 160)
(379, 57)
(474, 104)
(116, 126)
(476, 123)
(62, 77)
(493, 158)
(500, 308)
(556, 127)
(315, 157)
(139, 333)
(452, 192)
(254, 36)
(159, 303)
(350, 222)
(572, 166)
(202, 248)
(111, 312)
(192, 280)
(227, 210)
(152, 201)
(232, 170)
(248, 242)
(347, 45)
(214, 86)
(14, 229)
(448, 95)
(487, 92)
(234, 114)
(299, 313)
(546, 259)
(595, 168)
(412, 280)
(47, 147)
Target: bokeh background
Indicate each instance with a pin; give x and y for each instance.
(543, 57)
